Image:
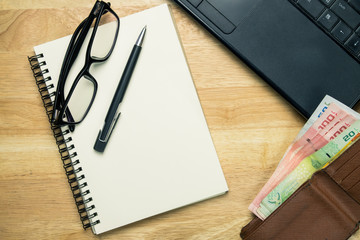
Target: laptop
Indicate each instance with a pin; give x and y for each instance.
(304, 49)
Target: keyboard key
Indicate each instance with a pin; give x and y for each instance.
(347, 13)
(313, 7)
(354, 43)
(328, 19)
(355, 4)
(327, 2)
(341, 32)
(336, 24)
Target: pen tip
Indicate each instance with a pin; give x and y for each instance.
(143, 30)
(141, 37)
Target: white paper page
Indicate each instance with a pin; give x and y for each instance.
(160, 155)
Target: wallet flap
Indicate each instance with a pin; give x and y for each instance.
(345, 170)
(319, 209)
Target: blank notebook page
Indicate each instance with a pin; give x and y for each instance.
(160, 155)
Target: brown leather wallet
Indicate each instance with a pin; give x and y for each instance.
(325, 207)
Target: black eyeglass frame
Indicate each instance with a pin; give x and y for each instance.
(60, 104)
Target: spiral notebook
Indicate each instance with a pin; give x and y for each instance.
(160, 155)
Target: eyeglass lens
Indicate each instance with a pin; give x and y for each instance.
(80, 91)
(80, 100)
(105, 36)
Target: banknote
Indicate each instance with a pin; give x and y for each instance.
(306, 168)
(321, 108)
(319, 111)
(328, 125)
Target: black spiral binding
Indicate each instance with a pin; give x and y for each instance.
(73, 172)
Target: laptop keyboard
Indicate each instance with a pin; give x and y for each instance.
(340, 19)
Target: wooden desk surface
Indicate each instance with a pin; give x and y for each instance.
(250, 123)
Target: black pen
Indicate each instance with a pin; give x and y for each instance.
(112, 116)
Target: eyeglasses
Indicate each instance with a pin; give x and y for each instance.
(75, 96)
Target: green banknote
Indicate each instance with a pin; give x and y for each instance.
(307, 167)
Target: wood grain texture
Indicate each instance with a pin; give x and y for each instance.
(250, 123)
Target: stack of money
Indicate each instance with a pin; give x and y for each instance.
(331, 129)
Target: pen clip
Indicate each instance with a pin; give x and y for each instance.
(100, 144)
